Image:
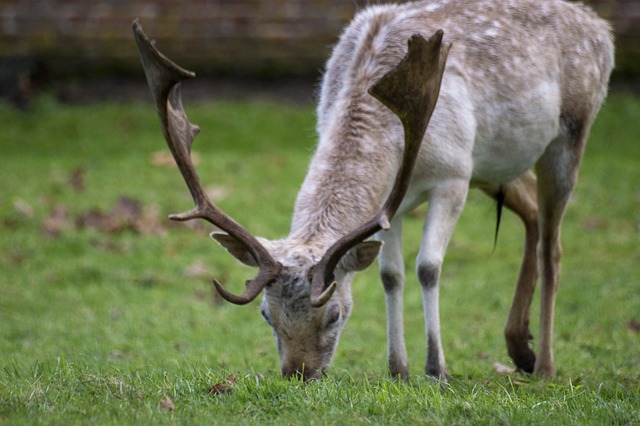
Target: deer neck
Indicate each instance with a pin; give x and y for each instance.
(347, 181)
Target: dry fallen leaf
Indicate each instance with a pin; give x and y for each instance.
(162, 159)
(216, 192)
(634, 325)
(224, 386)
(93, 219)
(167, 404)
(126, 211)
(13, 258)
(150, 222)
(126, 214)
(76, 179)
(196, 270)
(503, 369)
(55, 223)
(594, 224)
(23, 208)
(165, 159)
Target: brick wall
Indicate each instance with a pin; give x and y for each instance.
(248, 36)
(213, 36)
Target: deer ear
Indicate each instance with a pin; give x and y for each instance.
(361, 256)
(237, 250)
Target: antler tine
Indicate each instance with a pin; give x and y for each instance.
(410, 91)
(164, 78)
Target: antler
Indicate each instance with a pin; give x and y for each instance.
(164, 77)
(410, 91)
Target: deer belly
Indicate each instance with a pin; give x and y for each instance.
(504, 159)
(515, 139)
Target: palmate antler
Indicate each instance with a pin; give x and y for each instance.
(410, 91)
(164, 77)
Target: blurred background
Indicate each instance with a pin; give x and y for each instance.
(80, 48)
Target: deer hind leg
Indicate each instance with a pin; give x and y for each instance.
(557, 172)
(392, 276)
(445, 205)
(520, 197)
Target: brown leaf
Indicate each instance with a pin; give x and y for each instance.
(216, 192)
(594, 224)
(150, 223)
(23, 208)
(167, 404)
(126, 214)
(126, 210)
(634, 325)
(122, 216)
(13, 257)
(94, 219)
(196, 270)
(55, 223)
(77, 180)
(162, 159)
(225, 386)
(165, 159)
(503, 369)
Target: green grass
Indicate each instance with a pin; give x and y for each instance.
(98, 326)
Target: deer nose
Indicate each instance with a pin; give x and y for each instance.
(291, 371)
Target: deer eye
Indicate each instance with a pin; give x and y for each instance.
(333, 315)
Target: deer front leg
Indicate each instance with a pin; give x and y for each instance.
(392, 276)
(445, 205)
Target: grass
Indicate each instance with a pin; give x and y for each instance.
(98, 325)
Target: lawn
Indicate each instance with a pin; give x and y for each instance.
(107, 315)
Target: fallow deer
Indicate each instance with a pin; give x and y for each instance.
(522, 84)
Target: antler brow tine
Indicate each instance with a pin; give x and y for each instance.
(164, 78)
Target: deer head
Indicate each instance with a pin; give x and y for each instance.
(307, 289)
